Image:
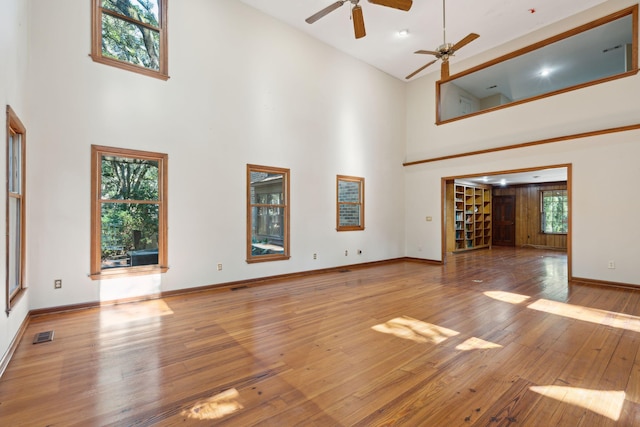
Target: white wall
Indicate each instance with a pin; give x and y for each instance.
(243, 89)
(605, 168)
(13, 65)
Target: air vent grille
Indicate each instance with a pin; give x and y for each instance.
(43, 337)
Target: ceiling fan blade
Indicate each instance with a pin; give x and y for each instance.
(327, 10)
(427, 52)
(471, 37)
(396, 4)
(420, 69)
(358, 22)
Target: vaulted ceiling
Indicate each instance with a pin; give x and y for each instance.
(496, 21)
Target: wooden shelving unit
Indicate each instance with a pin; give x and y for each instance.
(470, 222)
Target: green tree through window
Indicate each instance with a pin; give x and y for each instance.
(129, 214)
(554, 209)
(131, 34)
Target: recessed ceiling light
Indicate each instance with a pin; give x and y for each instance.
(503, 182)
(403, 33)
(545, 72)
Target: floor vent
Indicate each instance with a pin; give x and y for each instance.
(43, 337)
(237, 288)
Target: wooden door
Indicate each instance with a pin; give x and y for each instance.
(504, 220)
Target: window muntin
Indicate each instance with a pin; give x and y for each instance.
(267, 213)
(554, 212)
(350, 203)
(131, 34)
(15, 208)
(129, 219)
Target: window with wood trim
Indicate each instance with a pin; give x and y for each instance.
(267, 213)
(128, 212)
(131, 34)
(350, 203)
(554, 211)
(15, 208)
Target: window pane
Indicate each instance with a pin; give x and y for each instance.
(129, 179)
(141, 10)
(129, 234)
(14, 244)
(555, 211)
(131, 43)
(348, 191)
(15, 162)
(349, 215)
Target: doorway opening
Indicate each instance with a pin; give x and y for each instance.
(514, 211)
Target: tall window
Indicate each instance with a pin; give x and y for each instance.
(267, 213)
(15, 205)
(131, 34)
(350, 203)
(129, 212)
(554, 211)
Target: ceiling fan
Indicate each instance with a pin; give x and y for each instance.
(445, 50)
(356, 12)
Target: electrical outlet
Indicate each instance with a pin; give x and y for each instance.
(220, 267)
(315, 256)
(57, 284)
(611, 265)
(346, 253)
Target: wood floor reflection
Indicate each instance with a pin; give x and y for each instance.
(494, 337)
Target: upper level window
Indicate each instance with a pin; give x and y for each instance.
(267, 213)
(15, 227)
(129, 212)
(350, 203)
(554, 211)
(131, 34)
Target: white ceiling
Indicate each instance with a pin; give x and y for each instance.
(529, 177)
(497, 22)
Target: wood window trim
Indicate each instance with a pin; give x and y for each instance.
(360, 181)
(541, 198)
(97, 273)
(15, 126)
(96, 42)
(285, 255)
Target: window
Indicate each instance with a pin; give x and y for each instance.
(131, 34)
(554, 211)
(267, 213)
(350, 204)
(128, 212)
(15, 240)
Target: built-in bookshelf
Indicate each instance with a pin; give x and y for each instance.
(471, 217)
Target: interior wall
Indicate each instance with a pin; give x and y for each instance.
(604, 166)
(527, 210)
(243, 88)
(13, 65)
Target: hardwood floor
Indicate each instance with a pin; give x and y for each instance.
(493, 338)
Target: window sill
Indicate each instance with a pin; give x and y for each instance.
(130, 67)
(116, 273)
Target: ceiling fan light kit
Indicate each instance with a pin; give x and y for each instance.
(356, 12)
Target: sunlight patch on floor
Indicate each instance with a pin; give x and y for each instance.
(147, 310)
(603, 402)
(509, 297)
(215, 407)
(592, 315)
(415, 330)
(474, 343)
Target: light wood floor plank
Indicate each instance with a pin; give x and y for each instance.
(492, 337)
